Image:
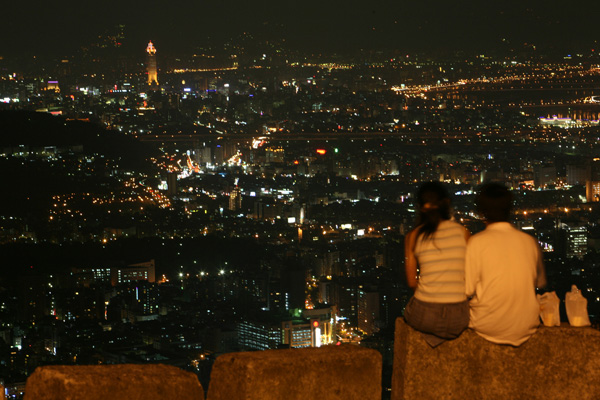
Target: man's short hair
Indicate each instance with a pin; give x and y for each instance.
(494, 202)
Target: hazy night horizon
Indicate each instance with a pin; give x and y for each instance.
(64, 26)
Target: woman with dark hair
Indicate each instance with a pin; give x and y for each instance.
(435, 268)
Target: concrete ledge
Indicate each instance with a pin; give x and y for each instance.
(556, 363)
(101, 382)
(326, 373)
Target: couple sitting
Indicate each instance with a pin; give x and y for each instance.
(486, 282)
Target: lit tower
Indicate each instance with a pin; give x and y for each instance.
(151, 64)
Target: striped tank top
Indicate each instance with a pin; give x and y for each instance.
(441, 260)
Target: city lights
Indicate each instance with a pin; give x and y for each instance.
(257, 196)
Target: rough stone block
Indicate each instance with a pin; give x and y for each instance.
(326, 373)
(102, 382)
(555, 363)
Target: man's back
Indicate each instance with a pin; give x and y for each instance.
(501, 274)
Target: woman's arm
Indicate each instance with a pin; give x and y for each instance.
(410, 262)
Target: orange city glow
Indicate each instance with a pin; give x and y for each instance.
(321, 151)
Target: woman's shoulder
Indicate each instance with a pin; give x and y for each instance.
(413, 233)
(454, 228)
(452, 224)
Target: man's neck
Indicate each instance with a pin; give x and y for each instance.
(488, 223)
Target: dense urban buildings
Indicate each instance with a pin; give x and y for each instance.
(256, 197)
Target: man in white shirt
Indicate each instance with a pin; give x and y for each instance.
(503, 267)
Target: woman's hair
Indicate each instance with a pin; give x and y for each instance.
(434, 207)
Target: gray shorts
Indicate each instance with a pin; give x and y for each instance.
(438, 321)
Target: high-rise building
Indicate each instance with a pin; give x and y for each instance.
(592, 191)
(172, 183)
(254, 335)
(544, 175)
(151, 64)
(235, 199)
(145, 269)
(577, 239)
(298, 334)
(323, 325)
(578, 174)
(368, 311)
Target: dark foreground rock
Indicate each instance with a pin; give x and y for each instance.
(326, 373)
(555, 363)
(102, 382)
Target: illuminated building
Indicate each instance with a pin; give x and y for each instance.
(130, 274)
(297, 335)
(592, 191)
(577, 239)
(258, 336)
(13, 390)
(274, 154)
(316, 333)
(53, 86)
(235, 199)
(301, 328)
(323, 325)
(151, 64)
(145, 298)
(115, 275)
(555, 121)
(88, 276)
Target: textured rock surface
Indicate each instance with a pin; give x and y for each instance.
(327, 373)
(102, 382)
(555, 363)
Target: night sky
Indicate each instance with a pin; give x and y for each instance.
(61, 26)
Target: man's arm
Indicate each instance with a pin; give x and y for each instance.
(540, 270)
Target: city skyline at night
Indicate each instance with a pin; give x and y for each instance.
(188, 180)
